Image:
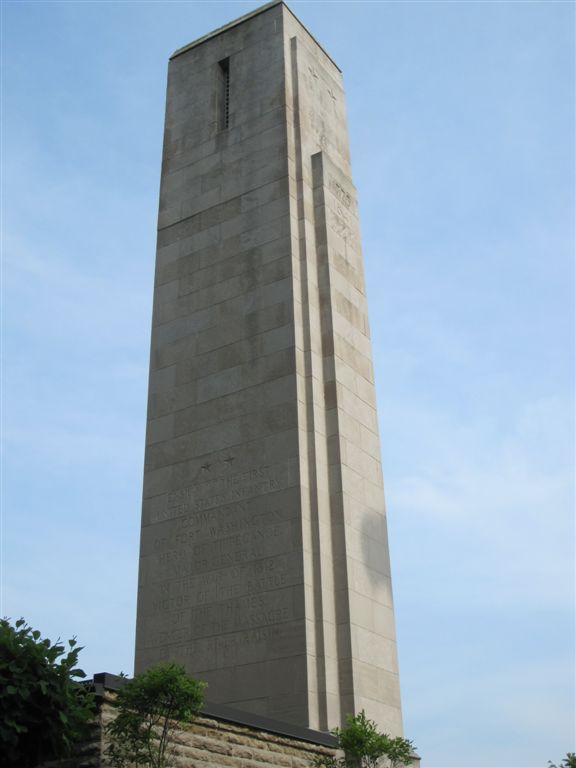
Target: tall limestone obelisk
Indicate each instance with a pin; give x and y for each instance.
(264, 560)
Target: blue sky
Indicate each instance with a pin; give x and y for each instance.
(461, 122)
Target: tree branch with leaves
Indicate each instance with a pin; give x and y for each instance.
(568, 762)
(149, 709)
(365, 747)
(45, 712)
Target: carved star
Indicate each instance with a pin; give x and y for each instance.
(206, 467)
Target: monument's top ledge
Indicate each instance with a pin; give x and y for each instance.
(241, 20)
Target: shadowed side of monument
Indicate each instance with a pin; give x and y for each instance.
(264, 562)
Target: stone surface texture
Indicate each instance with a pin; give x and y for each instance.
(211, 743)
(207, 742)
(264, 559)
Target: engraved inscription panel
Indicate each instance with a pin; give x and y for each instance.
(221, 565)
(208, 492)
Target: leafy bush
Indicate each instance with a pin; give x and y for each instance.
(568, 762)
(148, 708)
(364, 746)
(44, 711)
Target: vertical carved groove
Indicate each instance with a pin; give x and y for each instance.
(335, 485)
(312, 480)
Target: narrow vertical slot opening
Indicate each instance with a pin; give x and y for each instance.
(224, 95)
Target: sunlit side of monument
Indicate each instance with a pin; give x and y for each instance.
(264, 558)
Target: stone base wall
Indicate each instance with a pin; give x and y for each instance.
(214, 742)
(207, 742)
(211, 743)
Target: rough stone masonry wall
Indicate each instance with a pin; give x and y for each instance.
(210, 743)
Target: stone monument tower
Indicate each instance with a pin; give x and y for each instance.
(264, 560)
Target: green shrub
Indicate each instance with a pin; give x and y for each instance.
(149, 708)
(44, 711)
(568, 762)
(364, 746)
